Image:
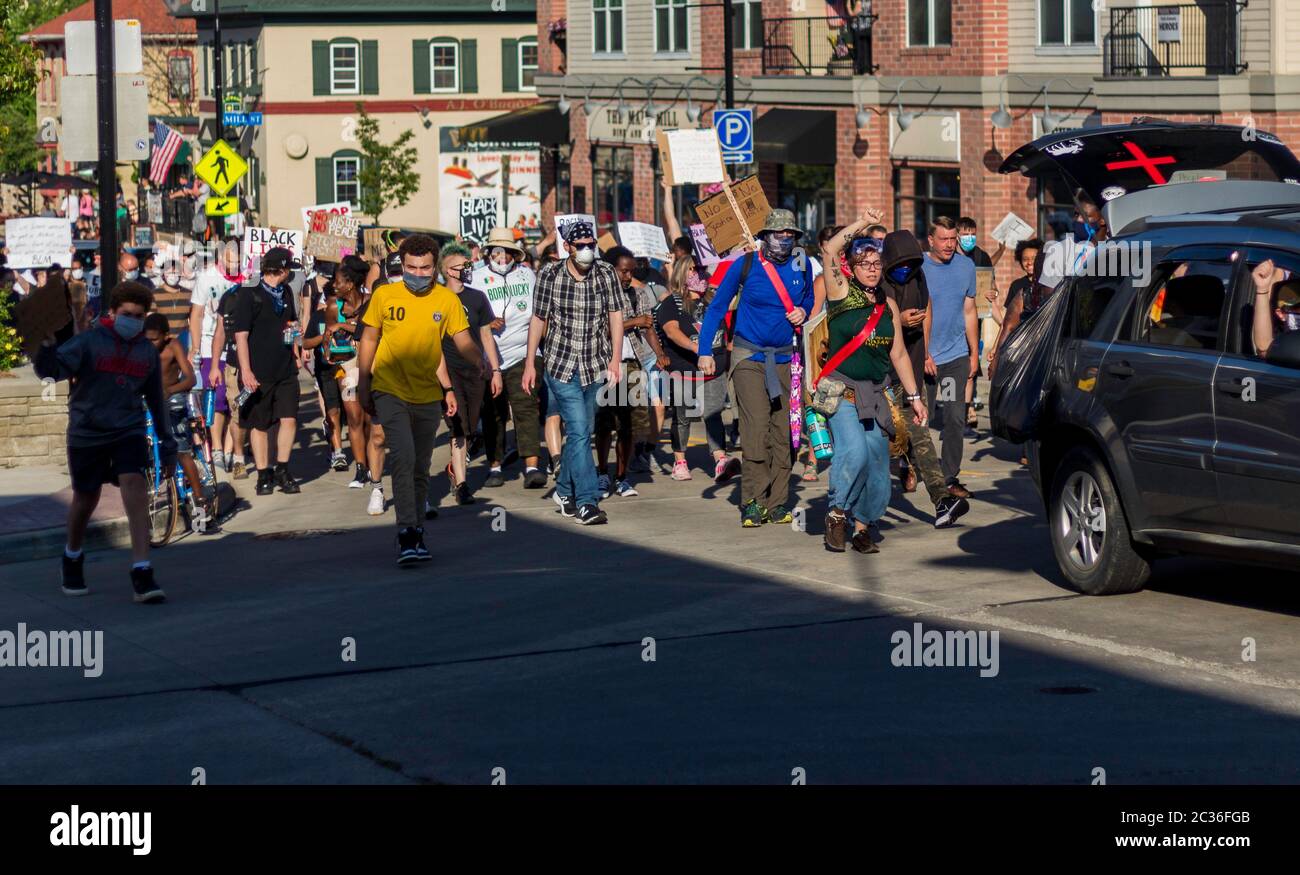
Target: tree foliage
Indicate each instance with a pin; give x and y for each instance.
(20, 72)
(387, 178)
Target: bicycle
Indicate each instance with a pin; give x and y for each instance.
(172, 496)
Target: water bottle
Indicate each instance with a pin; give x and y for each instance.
(819, 436)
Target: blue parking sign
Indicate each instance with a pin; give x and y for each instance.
(735, 129)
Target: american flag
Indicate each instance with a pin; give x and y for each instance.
(166, 143)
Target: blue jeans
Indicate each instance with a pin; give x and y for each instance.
(576, 405)
(860, 467)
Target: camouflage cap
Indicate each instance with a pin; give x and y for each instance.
(779, 220)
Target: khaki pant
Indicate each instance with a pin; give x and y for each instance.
(230, 379)
(764, 435)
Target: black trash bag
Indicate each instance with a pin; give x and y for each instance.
(1025, 364)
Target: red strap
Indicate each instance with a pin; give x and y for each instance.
(852, 346)
(776, 282)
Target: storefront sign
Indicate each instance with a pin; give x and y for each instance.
(607, 124)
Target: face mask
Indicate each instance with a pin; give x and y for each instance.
(695, 282)
(501, 269)
(77, 273)
(130, 274)
(584, 255)
(1292, 321)
(778, 248)
(154, 273)
(171, 279)
(1084, 231)
(416, 283)
(901, 273)
(967, 242)
(127, 327)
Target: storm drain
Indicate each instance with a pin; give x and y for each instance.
(1068, 691)
(298, 534)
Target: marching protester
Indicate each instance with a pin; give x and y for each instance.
(115, 373)
(953, 353)
(216, 295)
(173, 302)
(863, 343)
(398, 362)
(466, 373)
(1277, 305)
(777, 297)
(1016, 303)
(265, 341)
(577, 307)
(509, 285)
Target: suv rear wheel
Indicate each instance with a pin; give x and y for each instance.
(1090, 534)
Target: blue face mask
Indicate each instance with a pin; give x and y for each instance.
(967, 242)
(128, 327)
(1084, 231)
(416, 283)
(901, 273)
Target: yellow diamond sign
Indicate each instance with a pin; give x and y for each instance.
(221, 168)
(221, 206)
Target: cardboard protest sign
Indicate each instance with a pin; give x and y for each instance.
(331, 236)
(378, 242)
(338, 208)
(690, 156)
(983, 285)
(606, 242)
(645, 241)
(38, 242)
(44, 312)
(562, 224)
(704, 251)
(1011, 230)
(720, 221)
(259, 241)
(478, 216)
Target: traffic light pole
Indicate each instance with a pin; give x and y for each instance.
(107, 124)
(728, 52)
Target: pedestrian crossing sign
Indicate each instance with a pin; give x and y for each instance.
(221, 206)
(221, 167)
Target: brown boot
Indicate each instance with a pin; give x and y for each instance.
(862, 542)
(836, 526)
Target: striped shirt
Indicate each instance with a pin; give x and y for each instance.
(175, 305)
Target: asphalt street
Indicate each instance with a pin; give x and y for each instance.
(522, 652)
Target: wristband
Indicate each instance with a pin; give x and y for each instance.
(915, 396)
(446, 389)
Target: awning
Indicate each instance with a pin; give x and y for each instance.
(540, 123)
(795, 136)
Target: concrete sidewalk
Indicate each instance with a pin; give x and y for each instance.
(34, 511)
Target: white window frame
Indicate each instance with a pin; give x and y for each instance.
(672, 6)
(434, 45)
(1069, 26)
(607, 7)
(519, 57)
(929, 34)
(744, 12)
(356, 178)
(335, 88)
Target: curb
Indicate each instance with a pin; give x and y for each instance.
(44, 543)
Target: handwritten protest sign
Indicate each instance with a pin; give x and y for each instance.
(719, 219)
(704, 251)
(645, 241)
(338, 208)
(983, 285)
(380, 241)
(1011, 230)
(331, 236)
(563, 223)
(606, 242)
(690, 156)
(478, 216)
(259, 241)
(38, 242)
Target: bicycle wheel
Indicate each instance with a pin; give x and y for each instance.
(164, 507)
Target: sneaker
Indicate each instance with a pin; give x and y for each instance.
(625, 490)
(970, 433)
(949, 510)
(681, 470)
(360, 479)
(74, 578)
(422, 552)
(338, 461)
(535, 479)
(555, 466)
(862, 543)
(753, 515)
(779, 514)
(146, 590)
(285, 481)
(726, 468)
(376, 505)
(836, 530)
(957, 490)
(494, 478)
(603, 485)
(568, 507)
(265, 482)
(219, 460)
(462, 494)
(430, 512)
(407, 552)
(873, 532)
(590, 515)
(238, 471)
(640, 462)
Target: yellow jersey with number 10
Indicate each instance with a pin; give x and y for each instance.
(410, 345)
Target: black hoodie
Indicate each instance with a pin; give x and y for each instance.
(901, 247)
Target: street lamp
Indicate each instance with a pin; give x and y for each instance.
(1001, 118)
(693, 112)
(906, 118)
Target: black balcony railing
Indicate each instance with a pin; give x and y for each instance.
(817, 46)
(1199, 39)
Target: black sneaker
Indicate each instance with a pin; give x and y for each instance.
(285, 481)
(265, 482)
(74, 579)
(421, 552)
(407, 551)
(494, 479)
(361, 478)
(147, 592)
(590, 515)
(535, 479)
(568, 507)
(462, 494)
(430, 512)
(949, 510)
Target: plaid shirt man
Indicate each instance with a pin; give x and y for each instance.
(577, 319)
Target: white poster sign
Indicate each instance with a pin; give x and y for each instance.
(704, 250)
(1169, 24)
(338, 208)
(38, 242)
(563, 222)
(645, 241)
(509, 172)
(1011, 230)
(259, 241)
(695, 155)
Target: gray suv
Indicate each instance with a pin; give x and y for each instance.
(1153, 424)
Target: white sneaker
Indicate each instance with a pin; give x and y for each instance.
(376, 506)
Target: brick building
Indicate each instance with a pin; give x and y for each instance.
(969, 80)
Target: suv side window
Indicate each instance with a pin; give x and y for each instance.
(1242, 340)
(1089, 298)
(1183, 306)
